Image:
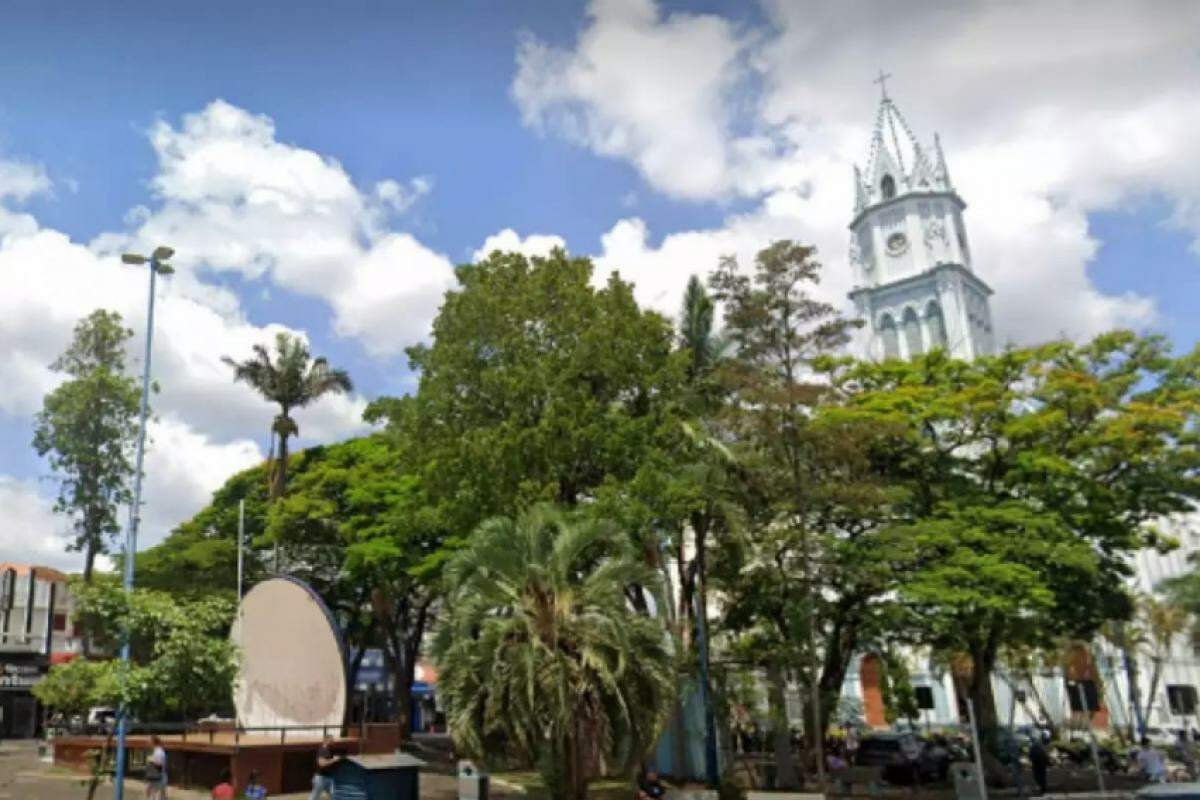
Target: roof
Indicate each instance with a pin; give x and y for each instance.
(386, 761)
(45, 573)
(896, 152)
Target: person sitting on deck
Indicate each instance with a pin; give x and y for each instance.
(254, 789)
(224, 790)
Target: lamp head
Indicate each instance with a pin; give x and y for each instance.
(162, 253)
(133, 258)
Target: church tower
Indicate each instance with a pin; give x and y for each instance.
(914, 285)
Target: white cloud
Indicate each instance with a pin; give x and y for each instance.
(20, 180)
(509, 241)
(31, 533)
(235, 199)
(1046, 114)
(399, 196)
(653, 89)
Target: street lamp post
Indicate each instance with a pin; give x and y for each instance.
(158, 266)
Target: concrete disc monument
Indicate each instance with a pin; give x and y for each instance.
(293, 666)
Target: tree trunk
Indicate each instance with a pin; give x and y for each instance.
(280, 468)
(781, 740)
(1131, 677)
(89, 559)
(840, 645)
(983, 661)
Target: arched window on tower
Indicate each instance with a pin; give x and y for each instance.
(912, 333)
(936, 325)
(889, 336)
(888, 187)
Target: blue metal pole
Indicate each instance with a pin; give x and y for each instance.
(131, 534)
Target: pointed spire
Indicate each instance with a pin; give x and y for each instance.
(942, 173)
(860, 191)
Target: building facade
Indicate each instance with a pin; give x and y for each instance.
(915, 288)
(36, 630)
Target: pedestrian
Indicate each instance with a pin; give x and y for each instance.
(650, 787)
(156, 771)
(224, 790)
(1186, 755)
(323, 780)
(254, 789)
(1150, 762)
(1039, 760)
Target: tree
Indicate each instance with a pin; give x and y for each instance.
(1156, 626)
(87, 428)
(812, 557)
(199, 557)
(292, 379)
(542, 657)
(363, 533)
(538, 387)
(181, 660)
(1024, 481)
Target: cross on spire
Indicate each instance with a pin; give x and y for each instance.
(882, 81)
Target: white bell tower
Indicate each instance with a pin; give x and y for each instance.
(914, 285)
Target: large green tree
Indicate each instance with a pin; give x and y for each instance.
(357, 523)
(537, 386)
(810, 565)
(291, 379)
(542, 657)
(1025, 480)
(87, 428)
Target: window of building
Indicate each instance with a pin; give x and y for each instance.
(1181, 699)
(60, 622)
(924, 697)
(912, 333)
(887, 187)
(890, 337)
(937, 326)
(1091, 695)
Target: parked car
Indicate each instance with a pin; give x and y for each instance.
(903, 757)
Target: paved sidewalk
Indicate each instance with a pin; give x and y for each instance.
(24, 777)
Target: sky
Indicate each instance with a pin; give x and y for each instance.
(320, 168)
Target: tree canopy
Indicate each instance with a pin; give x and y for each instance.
(87, 428)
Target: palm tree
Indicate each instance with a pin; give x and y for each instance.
(541, 657)
(292, 379)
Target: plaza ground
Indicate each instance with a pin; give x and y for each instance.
(23, 776)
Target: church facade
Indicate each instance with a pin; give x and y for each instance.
(914, 283)
(916, 289)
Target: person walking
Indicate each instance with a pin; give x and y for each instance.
(1039, 760)
(156, 771)
(323, 780)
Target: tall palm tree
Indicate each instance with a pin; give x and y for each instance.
(292, 379)
(541, 657)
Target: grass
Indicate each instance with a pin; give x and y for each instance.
(530, 784)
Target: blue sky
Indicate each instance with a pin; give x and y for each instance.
(655, 137)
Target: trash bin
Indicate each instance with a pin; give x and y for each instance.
(472, 782)
(966, 781)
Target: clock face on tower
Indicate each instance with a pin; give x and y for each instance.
(897, 243)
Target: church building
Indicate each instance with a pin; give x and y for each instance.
(914, 284)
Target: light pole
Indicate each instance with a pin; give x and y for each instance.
(158, 266)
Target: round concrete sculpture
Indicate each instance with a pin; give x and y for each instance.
(293, 667)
